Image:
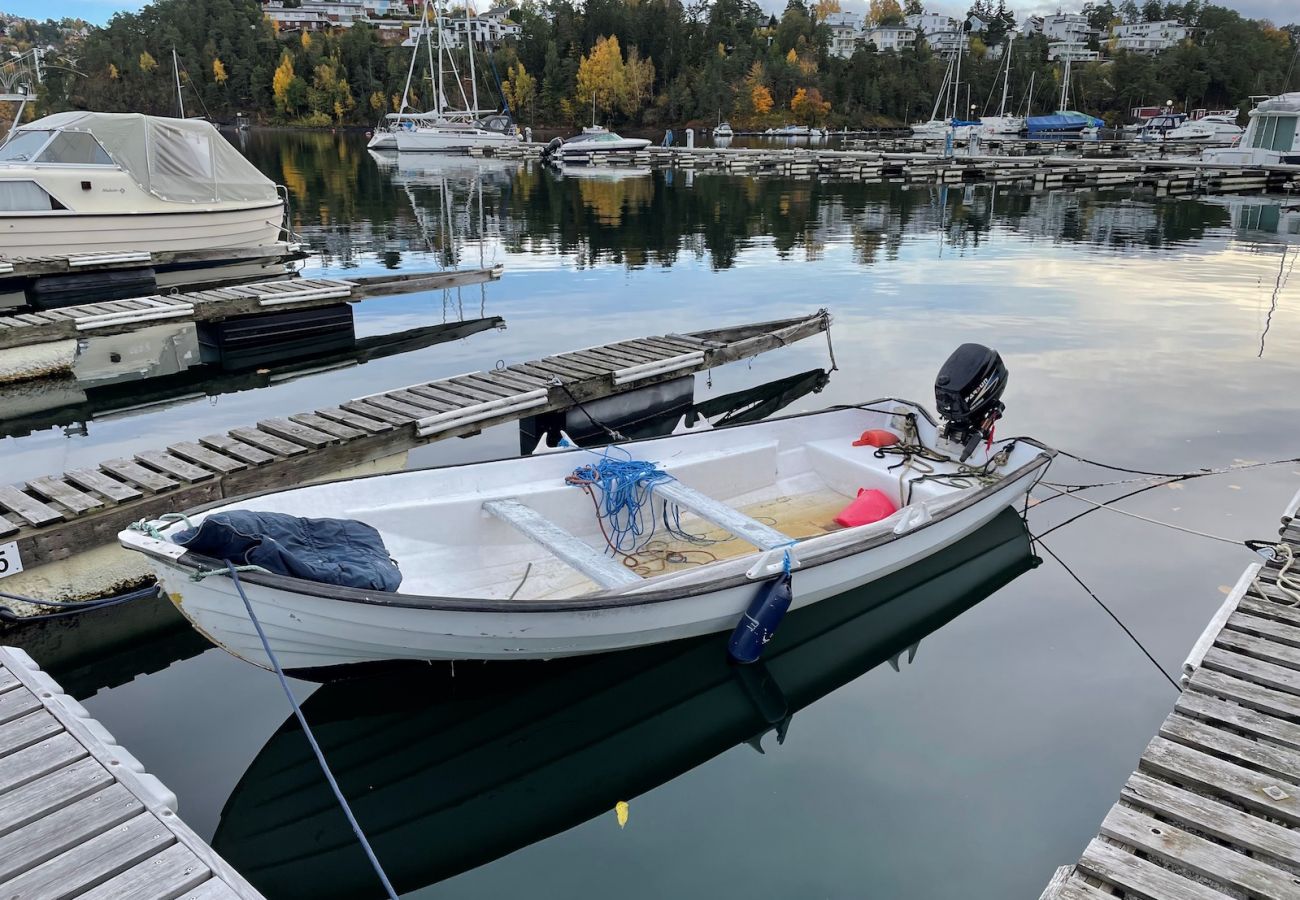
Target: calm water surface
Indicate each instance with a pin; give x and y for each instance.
(1160, 334)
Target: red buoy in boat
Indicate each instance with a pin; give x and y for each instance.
(869, 506)
(876, 437)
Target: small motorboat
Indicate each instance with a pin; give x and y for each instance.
(90, 182)
(723, 130)
(1214, 128)
(531, 558)
(594, 139)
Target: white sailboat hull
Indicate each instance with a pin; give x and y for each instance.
(382, 140)
(464, 553)
(1001, 126)
(40, 234)
(437, 140)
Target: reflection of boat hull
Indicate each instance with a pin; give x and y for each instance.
(453, 772)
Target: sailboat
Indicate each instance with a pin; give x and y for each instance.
(1002, 124)
(1065, 120)
(448, 130)
(936, 128)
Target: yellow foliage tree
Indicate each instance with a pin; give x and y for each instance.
(377, 101)
(761, 98)
(219, 70)
(112, 72)
(281, 81)
(808, 106)
(147, 62)
(615, 84)
(884, 11)
(792, 57)
(520, 88)
(305, 40)
(825, 8)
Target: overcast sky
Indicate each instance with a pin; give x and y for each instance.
(98, 11)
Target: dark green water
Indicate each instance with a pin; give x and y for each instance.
(1160, 334)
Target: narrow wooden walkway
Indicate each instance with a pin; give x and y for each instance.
(79, 816)
(116, 316)
(1213, 810)
(16, 267)
(53, 517)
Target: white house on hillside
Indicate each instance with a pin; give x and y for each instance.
(1149, 37)
(1069, 27)
(1075, 51)
(890, 37)
(845, 29)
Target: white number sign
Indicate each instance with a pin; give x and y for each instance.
(10, 562)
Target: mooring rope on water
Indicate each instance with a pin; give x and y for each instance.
(233, 570)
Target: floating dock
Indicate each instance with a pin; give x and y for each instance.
(1213, 810)
(1164, 176)
(53, 519)
(118, 316)
(79, 816)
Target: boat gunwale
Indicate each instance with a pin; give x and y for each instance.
(602, 600)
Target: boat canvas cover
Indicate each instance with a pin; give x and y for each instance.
(1062, 121)
(180, 160)
(343, 552)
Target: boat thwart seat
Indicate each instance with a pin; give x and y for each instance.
(570, 549)
(742, 526)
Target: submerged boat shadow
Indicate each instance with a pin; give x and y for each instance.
(454, 768)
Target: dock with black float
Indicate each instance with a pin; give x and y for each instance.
(1213, 810)
(80, 817)
(50, 519)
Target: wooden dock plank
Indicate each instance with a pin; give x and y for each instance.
(335, 430)
(28, 508)
(1277, 761)
(14, 706)
(109, 488)
(1245, 694)
(7, 681)
(64, 494)
(7, 528)
(165, 876)
(207, 457)
(1244, 667)
(297, 433)
(429, 406)
(1203, 814)
(1257, 648)
(138, 475)
(64, 829)
(404, 411)
(269, 442)
(32, 762)
(1262, 627)
(37, 799)
(480, 388)
(94, 861)
(1194, 704)
(22, 732)
(1113, 865)
(440, 399)
(237, 449)
(174, 466)
(355, 420)
(1220, 778)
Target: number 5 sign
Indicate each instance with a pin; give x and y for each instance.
(10, 562)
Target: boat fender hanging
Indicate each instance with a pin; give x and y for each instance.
(876, 437)
(869, 506)
(760, 621)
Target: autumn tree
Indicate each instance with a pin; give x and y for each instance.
(520, 90)
(808, 106)
(616, 85)
(147, 62)
(825, 8)
(885, 12)
(219, 70)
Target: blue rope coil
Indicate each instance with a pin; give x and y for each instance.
(625, 501)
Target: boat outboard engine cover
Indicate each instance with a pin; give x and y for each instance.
(550, 151)
(968, 394)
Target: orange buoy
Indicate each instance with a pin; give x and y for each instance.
(876, 437)
(869, 506)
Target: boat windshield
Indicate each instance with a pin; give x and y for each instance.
(23, 145)
(594, 138)
(75, 148)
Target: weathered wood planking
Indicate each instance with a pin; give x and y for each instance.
(118, 316)
(1213, 811)
(296, 448)
(77, 817)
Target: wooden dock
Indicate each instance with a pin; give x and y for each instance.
(50, 519)
(118, 316)
(1213, 810)
(1164, 176)
(79, 816)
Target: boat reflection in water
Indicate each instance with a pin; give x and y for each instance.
(448, 773)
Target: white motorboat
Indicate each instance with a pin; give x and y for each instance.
(87, 182)
(1272, 136)
(510, 559)
(594, 139)
(789, 131)
(1216, 128)
(723, 130)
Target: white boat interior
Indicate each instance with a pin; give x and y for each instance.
(514, 530)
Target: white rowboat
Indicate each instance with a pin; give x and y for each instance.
(504, 560)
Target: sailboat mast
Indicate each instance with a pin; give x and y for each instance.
(1006, 78)
(956, 85)
(176, 70)
(1029, 98)
(437, 22)
(410, 72)
(1065, 86)
(943, 92)
(469, 38)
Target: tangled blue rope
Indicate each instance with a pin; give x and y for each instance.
(624, 492)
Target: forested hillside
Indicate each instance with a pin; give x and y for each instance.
(654, 63)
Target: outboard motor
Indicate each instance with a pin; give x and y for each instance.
(551, 150)
(968, 394)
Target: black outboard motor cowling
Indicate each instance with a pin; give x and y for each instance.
(968, 394)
